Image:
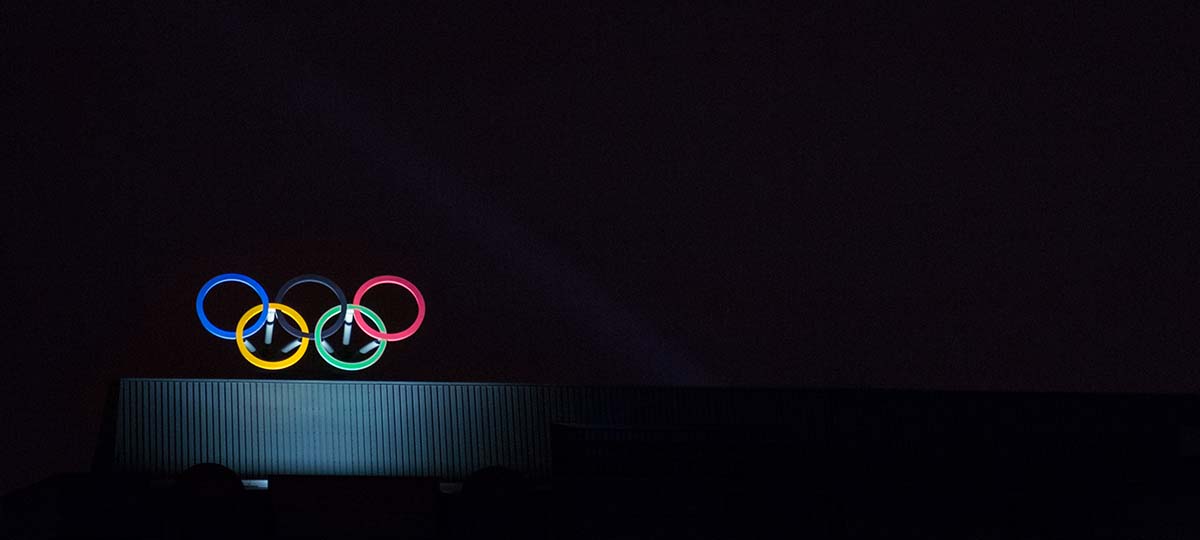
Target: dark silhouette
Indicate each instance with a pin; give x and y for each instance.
(208, 501)
(497, 503)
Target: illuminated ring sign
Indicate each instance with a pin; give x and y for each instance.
(267, 315)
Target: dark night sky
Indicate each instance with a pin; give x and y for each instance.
(953, 197)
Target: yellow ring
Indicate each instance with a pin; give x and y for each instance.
(279, 364)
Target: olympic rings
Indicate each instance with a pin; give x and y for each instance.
(350, 366)
(394, 280)
(266, 313)
(281, 364)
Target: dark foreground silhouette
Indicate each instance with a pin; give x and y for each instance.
(869, 465)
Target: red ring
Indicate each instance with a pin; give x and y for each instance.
(394, 280)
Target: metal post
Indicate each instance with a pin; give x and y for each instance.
(291, 346)
(368, 347)
(270, 325)
(346, 327)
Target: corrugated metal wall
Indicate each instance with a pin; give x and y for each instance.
(448, 430)
(444, 430)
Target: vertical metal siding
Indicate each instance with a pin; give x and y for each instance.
(448, 430)
(445, 430)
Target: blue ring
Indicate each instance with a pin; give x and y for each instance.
(240, 278)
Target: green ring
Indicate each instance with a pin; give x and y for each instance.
(350, 366)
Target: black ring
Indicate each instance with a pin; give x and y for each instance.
(311, 278)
